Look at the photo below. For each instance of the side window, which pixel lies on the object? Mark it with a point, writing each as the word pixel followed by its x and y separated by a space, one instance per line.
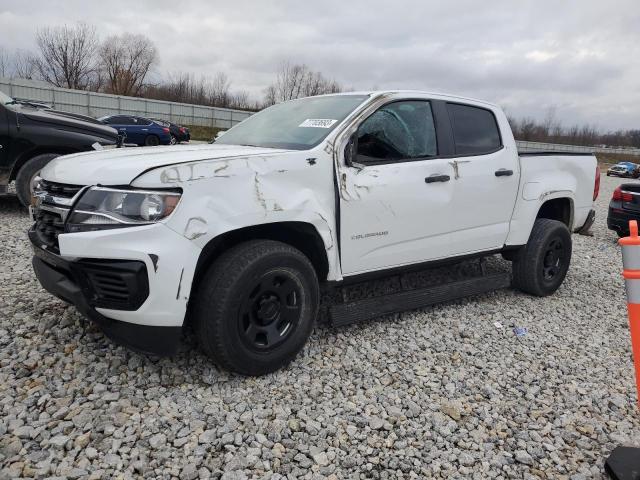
pixel 120 120
pixel 397 131
pixel 475 130
pixel 143 121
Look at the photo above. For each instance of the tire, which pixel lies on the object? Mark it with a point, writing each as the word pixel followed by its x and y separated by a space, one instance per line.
pixel 27 174
pixel 541 265
pixel 173 140
pixel 151 141
pixel 239 306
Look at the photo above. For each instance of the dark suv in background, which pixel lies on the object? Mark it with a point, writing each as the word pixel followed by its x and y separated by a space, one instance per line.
pixel 32 134
pixel 178 132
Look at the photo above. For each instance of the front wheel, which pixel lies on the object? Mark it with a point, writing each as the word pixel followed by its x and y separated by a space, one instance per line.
pixel 539 268
pixel 256 307
pixel 28 174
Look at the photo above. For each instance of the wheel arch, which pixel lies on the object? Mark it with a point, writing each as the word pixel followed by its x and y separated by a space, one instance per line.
pixel 301 235
pixel 560 208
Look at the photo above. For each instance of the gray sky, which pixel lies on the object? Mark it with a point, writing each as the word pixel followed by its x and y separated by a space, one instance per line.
pixel 581 56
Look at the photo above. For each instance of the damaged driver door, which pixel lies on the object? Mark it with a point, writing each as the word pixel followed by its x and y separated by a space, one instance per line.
pixel 395 194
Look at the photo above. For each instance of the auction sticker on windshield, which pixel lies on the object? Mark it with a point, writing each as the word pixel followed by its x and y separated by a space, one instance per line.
pixel 318 123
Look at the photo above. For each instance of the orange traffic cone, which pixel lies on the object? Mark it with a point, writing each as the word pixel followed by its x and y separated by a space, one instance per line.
pixel 631 264
pixel 624 462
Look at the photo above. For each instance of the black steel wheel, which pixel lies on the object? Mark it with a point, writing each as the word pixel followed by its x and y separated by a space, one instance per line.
pixel 553 259
pixel 271 310
pixel 255 307
pixel 540 267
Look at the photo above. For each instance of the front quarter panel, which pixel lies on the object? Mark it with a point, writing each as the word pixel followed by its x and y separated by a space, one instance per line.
pixel 223 195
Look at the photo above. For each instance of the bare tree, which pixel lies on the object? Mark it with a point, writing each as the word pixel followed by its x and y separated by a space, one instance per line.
pixel 219 90
pixel 4 63
pixel 67 55
pixel 125 62
pixel 296 81
pixel 212 91
pixel 24 65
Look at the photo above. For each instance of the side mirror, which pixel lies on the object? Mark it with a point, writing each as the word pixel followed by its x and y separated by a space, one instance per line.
pixel 351 149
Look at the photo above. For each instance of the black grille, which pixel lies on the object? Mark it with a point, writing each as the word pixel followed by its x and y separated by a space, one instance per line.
pixel 49 215
pixel 48 226
pixel 59 189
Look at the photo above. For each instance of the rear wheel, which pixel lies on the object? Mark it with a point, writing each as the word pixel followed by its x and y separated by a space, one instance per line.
pixel 151 141
pixel 27 177
pixel 256 306
pixel 173 140
pixel 540 267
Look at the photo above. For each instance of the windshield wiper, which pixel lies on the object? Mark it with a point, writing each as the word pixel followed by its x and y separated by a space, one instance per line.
pixel 24 102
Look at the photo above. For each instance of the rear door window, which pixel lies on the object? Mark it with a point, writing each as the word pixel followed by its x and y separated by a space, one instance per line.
pixel 475 130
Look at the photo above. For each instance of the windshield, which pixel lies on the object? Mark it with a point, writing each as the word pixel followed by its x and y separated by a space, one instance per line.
pixel 5 99
pixel 297 124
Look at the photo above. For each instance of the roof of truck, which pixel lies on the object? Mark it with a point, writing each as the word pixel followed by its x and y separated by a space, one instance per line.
pixel 421 92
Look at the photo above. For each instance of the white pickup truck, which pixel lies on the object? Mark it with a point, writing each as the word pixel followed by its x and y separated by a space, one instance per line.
pixel 236 237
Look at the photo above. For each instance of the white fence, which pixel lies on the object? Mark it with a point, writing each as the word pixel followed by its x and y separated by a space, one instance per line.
pixel 99 104
pixel 556 147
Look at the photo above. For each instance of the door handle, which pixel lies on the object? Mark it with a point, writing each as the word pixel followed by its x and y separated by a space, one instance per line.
pixel 503 172
pixel 437 178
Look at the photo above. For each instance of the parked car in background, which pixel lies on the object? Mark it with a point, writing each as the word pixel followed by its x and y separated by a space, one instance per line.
pixel 633 167
pixel 32 134
pixel 624 206
pixel 178 132
pixel 139 130
pixel 624 169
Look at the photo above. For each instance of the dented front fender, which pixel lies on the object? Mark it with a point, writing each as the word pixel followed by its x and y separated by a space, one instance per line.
pixel 222 195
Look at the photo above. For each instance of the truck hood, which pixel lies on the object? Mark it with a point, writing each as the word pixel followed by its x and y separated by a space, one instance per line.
pixel 68 120
pixel 120 166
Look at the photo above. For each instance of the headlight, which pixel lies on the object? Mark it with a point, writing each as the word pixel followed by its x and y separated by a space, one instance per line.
pixel 100 208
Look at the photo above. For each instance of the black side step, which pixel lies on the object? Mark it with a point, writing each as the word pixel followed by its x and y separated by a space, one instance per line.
pixel 368 308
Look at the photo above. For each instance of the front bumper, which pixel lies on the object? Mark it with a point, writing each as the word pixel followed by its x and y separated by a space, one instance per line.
pixel 151 288
pixel 63 281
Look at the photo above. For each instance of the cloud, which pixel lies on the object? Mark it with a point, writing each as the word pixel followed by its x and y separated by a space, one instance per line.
pixel 526 56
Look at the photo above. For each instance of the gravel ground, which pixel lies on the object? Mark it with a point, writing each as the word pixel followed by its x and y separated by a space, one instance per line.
pixel 440 392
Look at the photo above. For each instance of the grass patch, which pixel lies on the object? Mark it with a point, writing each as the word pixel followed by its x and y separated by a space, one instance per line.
pixel 203 133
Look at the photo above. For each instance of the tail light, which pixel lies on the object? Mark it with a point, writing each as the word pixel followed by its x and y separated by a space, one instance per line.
pixel 596 185
pixel 620 196
pixel 181 129
pixel 165 129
